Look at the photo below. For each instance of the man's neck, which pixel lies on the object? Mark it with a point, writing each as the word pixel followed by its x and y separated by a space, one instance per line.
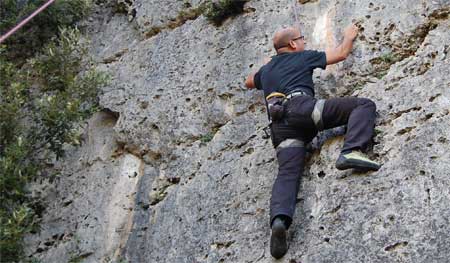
pixel 286 52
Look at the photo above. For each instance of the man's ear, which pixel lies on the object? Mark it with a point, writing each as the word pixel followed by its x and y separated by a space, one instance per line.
pixel 293 44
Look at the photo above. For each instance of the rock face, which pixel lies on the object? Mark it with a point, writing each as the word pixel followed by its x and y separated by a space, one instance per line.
pixel 176 170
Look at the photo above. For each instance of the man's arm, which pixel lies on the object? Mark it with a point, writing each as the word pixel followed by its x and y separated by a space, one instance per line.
pixel 337 54
pixel 249 82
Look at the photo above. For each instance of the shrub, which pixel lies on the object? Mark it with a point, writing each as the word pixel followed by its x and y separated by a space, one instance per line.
pixel 65 95
pixel 16 217
pixel 220 10
pixel 207 137
pixel 40 100
pixel 40 103
pixel 388 58
pixel 37 32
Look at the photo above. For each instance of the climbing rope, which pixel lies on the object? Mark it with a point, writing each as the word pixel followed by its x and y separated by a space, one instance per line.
pixel 296 16
pixel 21 24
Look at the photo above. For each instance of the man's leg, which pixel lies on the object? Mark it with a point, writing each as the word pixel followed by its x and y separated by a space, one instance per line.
pixel 359 115
pixel 290 155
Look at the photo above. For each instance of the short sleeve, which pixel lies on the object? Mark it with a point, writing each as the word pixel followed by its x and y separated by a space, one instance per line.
pixel 257 80
pixel 316 59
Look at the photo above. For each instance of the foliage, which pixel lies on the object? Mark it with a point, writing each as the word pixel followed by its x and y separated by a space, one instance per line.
pixel 384 61
pixel 380 74
pixel 388 58
pixel 12 230
pixel 35 34
pixel 210 135
pixel 218 11
pixel 377 131
pixel 190 13
pixel 75 259
pixel 65 95
pixel 40 103
pixel 207 137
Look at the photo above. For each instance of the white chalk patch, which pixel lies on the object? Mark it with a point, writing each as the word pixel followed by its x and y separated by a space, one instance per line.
pixel 118 209
pixel 319 36
pixel 130 166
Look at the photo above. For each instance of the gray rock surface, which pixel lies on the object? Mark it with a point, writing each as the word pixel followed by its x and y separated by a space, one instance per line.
pixel 177 170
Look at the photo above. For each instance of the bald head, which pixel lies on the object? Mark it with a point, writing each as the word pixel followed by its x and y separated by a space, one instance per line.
pixel 283 37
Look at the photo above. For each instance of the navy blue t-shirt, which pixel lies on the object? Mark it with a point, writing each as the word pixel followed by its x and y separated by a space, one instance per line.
pixel 287 72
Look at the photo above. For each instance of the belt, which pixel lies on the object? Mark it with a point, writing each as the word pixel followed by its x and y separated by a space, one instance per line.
pixel 288 96
pixel 295 94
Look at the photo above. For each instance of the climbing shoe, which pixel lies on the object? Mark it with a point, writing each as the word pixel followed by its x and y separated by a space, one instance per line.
pixel 356 160
pixel 278 244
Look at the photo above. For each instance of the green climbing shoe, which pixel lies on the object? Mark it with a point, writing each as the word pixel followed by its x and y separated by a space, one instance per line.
pixel 278 243
pixel 356 160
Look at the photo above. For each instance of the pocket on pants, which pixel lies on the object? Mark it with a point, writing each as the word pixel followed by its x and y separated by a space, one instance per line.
pixel 298 111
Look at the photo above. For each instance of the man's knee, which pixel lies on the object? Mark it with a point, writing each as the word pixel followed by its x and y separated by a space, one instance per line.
pixel 290 158
pixel 368 103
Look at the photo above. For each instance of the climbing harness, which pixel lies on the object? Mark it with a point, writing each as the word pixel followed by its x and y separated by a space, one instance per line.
pixel 21 24
pixel 276 107
pixel 276 103
pixel 295 93
pixel 317 114
pixel 275 94
pixel 289 143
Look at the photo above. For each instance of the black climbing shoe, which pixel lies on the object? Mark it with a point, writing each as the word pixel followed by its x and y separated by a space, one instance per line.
pixel 356 160
pixel 278 244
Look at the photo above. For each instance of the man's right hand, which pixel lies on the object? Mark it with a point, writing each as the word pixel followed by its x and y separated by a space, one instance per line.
pixel 335 55
pixel 351 32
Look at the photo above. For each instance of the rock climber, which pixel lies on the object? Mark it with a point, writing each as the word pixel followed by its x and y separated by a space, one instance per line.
pixel 296 117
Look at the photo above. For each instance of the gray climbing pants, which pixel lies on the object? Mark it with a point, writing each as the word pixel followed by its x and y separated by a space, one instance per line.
pixel 300 126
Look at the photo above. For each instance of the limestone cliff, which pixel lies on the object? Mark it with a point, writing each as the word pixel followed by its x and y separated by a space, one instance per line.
pixel 176 169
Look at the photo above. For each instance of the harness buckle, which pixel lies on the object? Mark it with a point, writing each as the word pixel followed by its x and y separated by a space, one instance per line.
pixel 296 93
pixel 267 131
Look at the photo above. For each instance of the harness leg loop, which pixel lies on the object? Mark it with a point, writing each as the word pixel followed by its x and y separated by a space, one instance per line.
pixel 317 114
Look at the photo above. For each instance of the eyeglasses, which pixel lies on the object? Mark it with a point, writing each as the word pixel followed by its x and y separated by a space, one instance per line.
pixel 297 38
pixel 300 37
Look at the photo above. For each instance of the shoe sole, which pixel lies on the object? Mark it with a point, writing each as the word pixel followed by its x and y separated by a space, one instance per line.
pixel 278 244
pixel 358 165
